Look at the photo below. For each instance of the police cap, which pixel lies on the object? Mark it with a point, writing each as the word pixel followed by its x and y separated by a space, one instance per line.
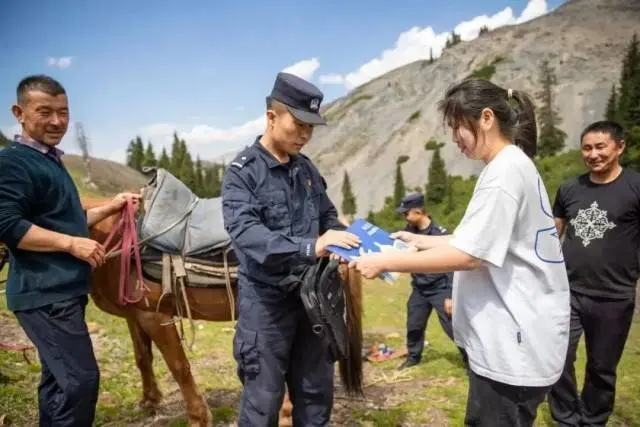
pixel 301 98
pixel 411 201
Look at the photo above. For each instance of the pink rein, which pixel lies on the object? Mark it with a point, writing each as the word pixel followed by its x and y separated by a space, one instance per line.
pixel 126 246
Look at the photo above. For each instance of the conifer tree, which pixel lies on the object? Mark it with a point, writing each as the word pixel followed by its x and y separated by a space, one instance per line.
pixel 186 173
pixel 399 187
pixel 199 178
pixel 164 162
pixel 436 187
pixel 611 112
pixel 135 154
pixel 177 155
pixel 627 104
pixel 551 139
pixel 149 156
pixel 348 199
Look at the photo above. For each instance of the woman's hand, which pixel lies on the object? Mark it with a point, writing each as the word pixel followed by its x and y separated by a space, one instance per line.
pixel 368 265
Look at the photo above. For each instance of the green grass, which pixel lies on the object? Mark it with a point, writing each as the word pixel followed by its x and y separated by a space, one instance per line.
pixel 432 393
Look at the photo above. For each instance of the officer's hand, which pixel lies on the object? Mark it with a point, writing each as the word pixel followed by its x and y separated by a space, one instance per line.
pixel 405 236
pixel 341 239
pixel 87 250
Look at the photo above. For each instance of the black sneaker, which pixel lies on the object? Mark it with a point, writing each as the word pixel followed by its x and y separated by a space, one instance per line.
pixel 408 363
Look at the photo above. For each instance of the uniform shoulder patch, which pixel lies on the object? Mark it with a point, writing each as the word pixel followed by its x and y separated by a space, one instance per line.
pixel 246 156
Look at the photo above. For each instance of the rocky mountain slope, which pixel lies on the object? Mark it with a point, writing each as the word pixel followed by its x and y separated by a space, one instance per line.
pixel 395 114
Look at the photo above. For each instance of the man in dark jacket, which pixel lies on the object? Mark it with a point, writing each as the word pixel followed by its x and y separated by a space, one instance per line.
pixel 46 230
pixel 430 291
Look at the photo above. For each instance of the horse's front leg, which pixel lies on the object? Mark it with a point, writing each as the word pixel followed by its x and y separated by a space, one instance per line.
pixel 168 342
pixel 151 395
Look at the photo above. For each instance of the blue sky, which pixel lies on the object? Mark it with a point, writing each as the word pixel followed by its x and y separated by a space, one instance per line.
pixel 203 68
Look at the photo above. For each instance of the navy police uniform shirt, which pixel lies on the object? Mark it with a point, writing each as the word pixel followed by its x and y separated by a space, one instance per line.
pixel 428 283
pixel 274 213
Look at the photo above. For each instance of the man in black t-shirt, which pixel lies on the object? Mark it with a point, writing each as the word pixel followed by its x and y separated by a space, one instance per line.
pixel 598 215
pixel 430 291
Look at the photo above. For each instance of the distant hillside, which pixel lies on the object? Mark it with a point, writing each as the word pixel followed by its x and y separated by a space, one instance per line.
pixel 4 141
pixel 395 114
pixel 110 177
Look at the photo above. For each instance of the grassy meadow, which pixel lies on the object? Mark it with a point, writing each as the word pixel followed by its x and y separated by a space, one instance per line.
pixel 433 393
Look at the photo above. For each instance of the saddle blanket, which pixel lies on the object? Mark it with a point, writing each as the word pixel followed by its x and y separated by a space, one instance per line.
pixel 177 221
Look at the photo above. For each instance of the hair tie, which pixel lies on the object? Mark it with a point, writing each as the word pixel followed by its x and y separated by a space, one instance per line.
pixel 509 93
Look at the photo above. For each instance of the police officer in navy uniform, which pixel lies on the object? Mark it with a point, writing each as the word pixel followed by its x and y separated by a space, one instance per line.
pixel 280 219
pixel 430 291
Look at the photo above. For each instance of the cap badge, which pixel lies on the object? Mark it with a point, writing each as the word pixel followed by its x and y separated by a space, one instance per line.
pixel 314 104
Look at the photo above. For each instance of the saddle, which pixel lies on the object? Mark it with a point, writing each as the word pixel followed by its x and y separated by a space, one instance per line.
pixel 324 301
pixel 183 242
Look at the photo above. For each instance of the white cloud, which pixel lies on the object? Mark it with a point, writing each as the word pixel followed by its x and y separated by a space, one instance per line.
pixel 62 62
pixel 331 79
pixel 304 69
pixel 11 130
pixel 206 140
pixel 418 43
pixel 534 9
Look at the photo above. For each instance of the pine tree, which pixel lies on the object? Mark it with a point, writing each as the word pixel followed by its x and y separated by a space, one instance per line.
pixel 611 113
pixel 149 156
pixel 199 178
pixel 628 104
pixel 436 187
pixel 399 187
pixel 186 172
pixel 135 154
pixel 164 162
pixel 453 40
pixel 430 55
pixel 551 139
pixel 348 199
pixel 449 191
pixel 177 156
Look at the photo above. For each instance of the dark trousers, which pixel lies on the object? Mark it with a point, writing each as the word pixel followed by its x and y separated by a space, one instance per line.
pixel 274 345
pixel 606 324
pixel 419 309
pixel 68 390
pixel 494 404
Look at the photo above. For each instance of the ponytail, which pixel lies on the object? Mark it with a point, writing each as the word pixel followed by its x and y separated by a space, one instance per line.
pixel 525 129
pixel 464 102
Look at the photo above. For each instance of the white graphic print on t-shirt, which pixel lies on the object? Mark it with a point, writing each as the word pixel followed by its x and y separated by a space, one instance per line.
pixel 591 223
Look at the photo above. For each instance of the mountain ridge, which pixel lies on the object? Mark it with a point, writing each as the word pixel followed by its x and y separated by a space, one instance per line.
pixel 395 114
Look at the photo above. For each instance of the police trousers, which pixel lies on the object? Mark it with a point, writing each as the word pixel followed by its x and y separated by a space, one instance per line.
pixel 606 323
pixel 69 386
pixel 419 308
pixel 274 345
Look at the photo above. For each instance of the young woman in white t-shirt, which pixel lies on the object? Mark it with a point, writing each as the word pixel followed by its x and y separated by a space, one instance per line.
pixel 510 291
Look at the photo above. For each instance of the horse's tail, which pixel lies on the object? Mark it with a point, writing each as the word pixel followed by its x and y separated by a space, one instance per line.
pixel 350 368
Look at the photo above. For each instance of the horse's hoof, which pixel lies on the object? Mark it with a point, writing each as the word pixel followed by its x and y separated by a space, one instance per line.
pixel 148 405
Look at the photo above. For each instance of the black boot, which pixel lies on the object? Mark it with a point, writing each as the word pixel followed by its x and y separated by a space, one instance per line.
pixel 408 363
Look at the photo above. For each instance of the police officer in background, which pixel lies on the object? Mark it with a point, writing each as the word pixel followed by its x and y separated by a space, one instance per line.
pixel 279 218
pixel 430 291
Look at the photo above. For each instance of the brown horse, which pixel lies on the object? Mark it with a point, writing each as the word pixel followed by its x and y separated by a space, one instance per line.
pixel 148 326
